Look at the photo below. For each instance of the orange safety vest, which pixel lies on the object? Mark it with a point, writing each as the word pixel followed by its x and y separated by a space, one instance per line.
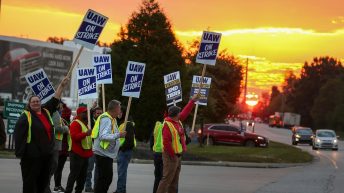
pixel 176 144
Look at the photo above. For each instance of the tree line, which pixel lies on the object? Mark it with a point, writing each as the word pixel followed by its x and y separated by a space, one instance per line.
pixel 148 37
pixel 317 95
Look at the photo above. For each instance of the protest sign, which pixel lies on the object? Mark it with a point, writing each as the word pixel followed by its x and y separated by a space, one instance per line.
pixel 208 48
pixel 87 87
pixel 102 63
pixel 90 29
pixel 196 80
pixel 132 84
pixel 40 85
pixel 173 88
pixel 133 79
pixel 202 88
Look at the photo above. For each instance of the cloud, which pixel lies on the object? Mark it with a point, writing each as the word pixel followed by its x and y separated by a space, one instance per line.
pixel 267 74
pixel 267 30
pixel 338 20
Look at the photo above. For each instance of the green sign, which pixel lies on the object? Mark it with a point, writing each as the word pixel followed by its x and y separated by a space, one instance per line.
pixel 11 123
pixel 13 109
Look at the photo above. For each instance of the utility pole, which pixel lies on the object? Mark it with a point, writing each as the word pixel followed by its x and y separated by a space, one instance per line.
pixel 245 86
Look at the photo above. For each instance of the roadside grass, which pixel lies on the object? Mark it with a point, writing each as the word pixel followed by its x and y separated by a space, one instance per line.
pixel 341 134
pixel 7 154
pixel 275 153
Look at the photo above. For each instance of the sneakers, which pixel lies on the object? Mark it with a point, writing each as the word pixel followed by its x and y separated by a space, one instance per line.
pixel 89 190
pixel 59 189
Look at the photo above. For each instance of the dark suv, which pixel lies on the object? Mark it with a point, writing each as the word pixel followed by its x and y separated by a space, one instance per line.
pixel 301 135
pixel 231 134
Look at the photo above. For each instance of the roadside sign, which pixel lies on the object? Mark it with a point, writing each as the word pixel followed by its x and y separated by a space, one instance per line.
pixel 40 85
pixel 133 79
pixel 90 29
pixel 11 123
pixel 209 47
pixel 196 80
pixel 102 63
pixel 173 88
pixel 87 87
pixel 13 109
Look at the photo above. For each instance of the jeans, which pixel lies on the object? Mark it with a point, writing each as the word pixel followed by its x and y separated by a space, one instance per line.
pixel 53 168
pixel 123 160
pixel 88 183
pixel 59 169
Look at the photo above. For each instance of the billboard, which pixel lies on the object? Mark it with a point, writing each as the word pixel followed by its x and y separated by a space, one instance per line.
pixel 18 59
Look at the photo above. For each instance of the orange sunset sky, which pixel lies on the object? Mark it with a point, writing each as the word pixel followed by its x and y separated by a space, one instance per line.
pixel 277 35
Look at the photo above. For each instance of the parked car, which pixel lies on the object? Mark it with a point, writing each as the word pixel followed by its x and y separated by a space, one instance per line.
pixel 230 134
pixel 325 138
pixel 302 135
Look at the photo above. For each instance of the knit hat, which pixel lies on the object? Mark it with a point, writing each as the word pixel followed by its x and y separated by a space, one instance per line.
pixel 173 111
pixel 81 110
pixel 66 112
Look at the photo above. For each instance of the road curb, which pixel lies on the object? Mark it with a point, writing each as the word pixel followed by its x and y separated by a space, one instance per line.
pixel 218 163
pixel 231 164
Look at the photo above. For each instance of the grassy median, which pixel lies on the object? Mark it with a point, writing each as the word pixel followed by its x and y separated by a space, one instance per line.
pixel 275 153
pixel 7 154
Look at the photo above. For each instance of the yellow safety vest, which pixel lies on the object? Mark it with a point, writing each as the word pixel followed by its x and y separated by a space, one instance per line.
pixel 157 134
pixel 121 129
pixel 176 144
pixel 59 136
pixel 29 119
pixel 86 143
pixel 69 140
pixel 95 130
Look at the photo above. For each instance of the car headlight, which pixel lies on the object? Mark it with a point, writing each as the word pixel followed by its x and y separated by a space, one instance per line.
pixel 297 136
pixel 259 137
pixel 318 140
pixel 335 141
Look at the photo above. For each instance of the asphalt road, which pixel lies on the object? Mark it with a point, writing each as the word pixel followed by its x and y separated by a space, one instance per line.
pixel 325 175
pixel 193 179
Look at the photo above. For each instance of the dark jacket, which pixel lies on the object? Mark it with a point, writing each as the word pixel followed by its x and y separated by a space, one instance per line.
pixel 129 137
pixel 2 132
pixel 40 144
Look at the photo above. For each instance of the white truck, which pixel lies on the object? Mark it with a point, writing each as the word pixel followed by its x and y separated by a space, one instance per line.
pixel 289 119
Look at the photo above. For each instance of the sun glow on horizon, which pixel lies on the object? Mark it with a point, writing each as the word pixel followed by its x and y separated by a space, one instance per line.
pixel 272 45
